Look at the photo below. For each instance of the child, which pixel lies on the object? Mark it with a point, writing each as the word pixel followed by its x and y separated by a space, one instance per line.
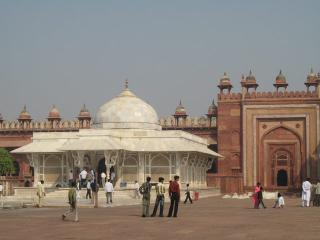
pixel 279 201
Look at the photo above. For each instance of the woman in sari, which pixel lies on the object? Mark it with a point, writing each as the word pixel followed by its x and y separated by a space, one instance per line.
pixel 255 195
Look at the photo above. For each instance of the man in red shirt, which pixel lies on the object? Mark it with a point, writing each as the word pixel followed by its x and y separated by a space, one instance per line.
pixel 174 193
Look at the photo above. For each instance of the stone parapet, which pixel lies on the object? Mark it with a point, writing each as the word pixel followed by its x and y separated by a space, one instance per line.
pixel 67 125
pixel 73 125
pixel 189 122
pixel 268 95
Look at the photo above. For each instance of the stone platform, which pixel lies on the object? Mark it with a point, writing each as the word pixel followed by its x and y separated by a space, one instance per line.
pixel 57 197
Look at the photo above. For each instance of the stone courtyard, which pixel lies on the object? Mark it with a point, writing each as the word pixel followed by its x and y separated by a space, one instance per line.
pixel 209 218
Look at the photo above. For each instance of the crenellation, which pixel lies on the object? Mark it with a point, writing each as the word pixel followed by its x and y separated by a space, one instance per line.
pixel 190 122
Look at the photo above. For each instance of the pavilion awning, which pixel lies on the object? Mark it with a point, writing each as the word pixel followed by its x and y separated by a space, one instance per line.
pixel 137 145
pixel 41 147
pixel 134 144
pixel 92 144
pixel 166 145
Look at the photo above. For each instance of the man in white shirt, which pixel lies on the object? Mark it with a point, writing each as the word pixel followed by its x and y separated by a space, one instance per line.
pixel 306 192
pixel 1 190
pixel 70 178
pixel 136 190
pixel 103 179
pixel 108 188
pixel 112 176
pixel 40 193
pixel 83 177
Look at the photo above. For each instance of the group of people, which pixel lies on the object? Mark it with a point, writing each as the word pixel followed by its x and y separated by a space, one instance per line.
pixel 257 198
pixel 174 194
pixel 310 193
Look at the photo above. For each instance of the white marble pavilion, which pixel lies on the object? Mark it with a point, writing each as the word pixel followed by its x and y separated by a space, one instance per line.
pixel 126 137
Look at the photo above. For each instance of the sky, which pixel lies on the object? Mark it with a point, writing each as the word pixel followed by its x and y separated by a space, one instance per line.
pixel 73 52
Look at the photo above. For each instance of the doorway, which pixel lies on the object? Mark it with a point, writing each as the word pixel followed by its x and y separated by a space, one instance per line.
pixel 101 168
pixel 282 178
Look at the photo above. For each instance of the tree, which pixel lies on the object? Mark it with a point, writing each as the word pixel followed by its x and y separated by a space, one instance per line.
pixel 6 162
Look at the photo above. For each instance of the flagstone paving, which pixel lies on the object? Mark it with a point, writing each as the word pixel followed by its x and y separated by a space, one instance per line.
pixel 210 218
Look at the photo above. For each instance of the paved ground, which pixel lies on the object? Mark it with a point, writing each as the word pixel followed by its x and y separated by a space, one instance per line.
pixel 211 218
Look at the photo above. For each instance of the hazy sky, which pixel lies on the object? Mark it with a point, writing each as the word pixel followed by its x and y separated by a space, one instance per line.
pixel 73 52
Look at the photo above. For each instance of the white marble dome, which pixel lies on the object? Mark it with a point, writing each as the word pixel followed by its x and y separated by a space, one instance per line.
pixel 127 111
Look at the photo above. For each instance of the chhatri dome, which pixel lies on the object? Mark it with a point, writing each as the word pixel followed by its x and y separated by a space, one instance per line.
pixel 126 111
pixel 54 113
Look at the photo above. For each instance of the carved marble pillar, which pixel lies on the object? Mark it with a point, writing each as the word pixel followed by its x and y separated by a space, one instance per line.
pixel 141 168
pixel 111 158
pixel 34 162
pixel 78 158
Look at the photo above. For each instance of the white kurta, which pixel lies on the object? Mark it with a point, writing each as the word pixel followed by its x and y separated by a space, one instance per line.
pixel 281 201
pixel 306 191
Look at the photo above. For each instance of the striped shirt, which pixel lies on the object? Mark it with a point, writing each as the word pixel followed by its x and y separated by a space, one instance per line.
pixel 160 189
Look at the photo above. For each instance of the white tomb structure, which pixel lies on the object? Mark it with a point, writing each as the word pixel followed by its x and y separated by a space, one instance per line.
pixel 127 139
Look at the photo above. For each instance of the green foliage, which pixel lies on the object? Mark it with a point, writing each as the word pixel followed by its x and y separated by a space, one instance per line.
pixel 6 162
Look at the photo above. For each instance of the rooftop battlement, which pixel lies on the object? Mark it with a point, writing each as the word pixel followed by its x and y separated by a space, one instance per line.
pixel 268 95
pixel 74 125
pixel 65 125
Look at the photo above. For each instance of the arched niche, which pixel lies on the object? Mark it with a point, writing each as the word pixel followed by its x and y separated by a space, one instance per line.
pixel 160 167
pixel 130 170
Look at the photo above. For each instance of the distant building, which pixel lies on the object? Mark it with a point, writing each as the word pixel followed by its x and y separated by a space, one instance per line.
pixel 126 138
pixel 267 137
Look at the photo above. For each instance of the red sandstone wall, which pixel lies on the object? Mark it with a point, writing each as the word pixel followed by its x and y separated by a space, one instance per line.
pixel 229 140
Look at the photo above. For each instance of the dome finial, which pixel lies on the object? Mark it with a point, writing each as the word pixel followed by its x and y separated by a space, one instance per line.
pixel 311 70
pixel 126 84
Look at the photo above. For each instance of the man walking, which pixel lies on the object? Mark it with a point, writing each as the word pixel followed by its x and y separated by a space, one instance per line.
pixel 103 179
pixel 160 190
pixel 83 177
pixel 306 192
pixel 40 193
pixel 109 190
pixel 88 190
pixel 145 190
pixel 70 178
pixel 72 196
pixel 188 197
pixel 136 190
pixel 174 193
pixel 95 189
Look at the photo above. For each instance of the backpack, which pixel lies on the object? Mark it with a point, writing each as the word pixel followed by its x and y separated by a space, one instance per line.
pixel 141 190
pixel 144 189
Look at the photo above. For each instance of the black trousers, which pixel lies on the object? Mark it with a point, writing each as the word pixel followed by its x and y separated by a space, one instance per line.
pixel 159 201
pixel 88 194
pixel 83 182
pixel 188 197
pixel 260 201
pixel 174 204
